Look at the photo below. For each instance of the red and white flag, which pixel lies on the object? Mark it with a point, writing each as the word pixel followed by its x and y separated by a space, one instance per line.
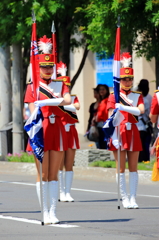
pixel 34 62
pixel 54 52
pixel 116 66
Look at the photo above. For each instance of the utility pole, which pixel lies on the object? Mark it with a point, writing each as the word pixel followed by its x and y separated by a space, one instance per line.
pixel 17 104
pixel 5 86
pixel 5 103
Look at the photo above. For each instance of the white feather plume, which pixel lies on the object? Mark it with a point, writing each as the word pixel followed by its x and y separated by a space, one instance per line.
pixel 125 59
pixel 45 45
pixel 61 68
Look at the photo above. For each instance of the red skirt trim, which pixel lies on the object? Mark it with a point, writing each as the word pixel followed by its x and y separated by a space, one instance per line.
pixel 72 138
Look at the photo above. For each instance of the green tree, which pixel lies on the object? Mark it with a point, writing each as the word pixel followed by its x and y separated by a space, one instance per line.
pixel 15 31
pixel 16 23
pixel 139 27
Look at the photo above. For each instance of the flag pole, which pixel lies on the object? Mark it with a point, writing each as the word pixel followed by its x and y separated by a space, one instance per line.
pixel 41 192
pixel 116 77
pixel 118 134
pixel 118 157
pixel 41 195
pixel 54 48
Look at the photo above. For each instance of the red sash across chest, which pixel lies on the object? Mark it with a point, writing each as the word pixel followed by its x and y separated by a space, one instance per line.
pixel 131 101
pixel 70 117
pixel 54 90
pixel 47 92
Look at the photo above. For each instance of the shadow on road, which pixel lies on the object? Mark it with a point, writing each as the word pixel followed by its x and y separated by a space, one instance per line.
pixel 20 212
pixel 106 200
pixel 98 221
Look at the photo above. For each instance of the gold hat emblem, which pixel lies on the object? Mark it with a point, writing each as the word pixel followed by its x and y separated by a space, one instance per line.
pixel 47 58
pixel 127 71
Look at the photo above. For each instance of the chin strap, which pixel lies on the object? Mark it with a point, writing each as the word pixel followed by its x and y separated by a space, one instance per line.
pixel 125 88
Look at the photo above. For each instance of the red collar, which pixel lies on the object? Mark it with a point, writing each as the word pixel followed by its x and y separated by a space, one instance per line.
pixel 45 81
pixel 125 92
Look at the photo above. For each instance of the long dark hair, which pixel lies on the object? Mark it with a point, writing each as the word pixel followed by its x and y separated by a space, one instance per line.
pixel 144 87
pixel 107 89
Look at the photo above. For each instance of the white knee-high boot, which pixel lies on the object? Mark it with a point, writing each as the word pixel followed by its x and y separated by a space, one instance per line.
pixel 68 184
pixel 45 200
pixel 124 196
pixel 61 187
pixel 53 195
pixel 133 183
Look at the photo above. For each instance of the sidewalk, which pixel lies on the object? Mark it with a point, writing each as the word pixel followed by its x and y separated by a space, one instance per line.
pixel 84 173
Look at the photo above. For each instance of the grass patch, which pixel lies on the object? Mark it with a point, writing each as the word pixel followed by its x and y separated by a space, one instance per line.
pixel 29 157
pixel 111 164
pixel 20 157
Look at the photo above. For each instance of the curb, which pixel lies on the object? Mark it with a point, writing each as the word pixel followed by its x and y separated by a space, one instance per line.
pixel 83 173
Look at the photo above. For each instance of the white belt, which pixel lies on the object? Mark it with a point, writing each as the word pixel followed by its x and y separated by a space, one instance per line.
pixel 128 125
pixel 52 118
pixel 67 127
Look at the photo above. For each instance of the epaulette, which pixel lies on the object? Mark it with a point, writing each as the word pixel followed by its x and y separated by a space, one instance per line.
pixel 57 80
pixel 73 95
pixel 29 82
pixel 137 92
pixel 156 91
pixel 111 92
pixel 68 84
pixel 65 81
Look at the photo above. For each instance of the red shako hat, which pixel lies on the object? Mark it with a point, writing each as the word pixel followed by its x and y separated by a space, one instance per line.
pixel 126 70
pixel 45 46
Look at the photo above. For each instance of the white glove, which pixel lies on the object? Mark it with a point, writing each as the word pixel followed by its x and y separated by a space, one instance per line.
pixel 115 141
pixel 133 110
pixel 70 108
pixel 48 102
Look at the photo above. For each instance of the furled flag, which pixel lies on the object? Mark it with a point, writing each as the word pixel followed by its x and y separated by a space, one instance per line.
pixel 113 121
pixel 33 126
pixel 109 125
pixel 34 129
pixel 54 50
pixel 116 66
pixel 34 62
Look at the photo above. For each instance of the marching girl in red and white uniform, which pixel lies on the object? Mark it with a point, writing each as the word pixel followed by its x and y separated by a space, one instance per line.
pixel 131 105
pixel 72 139
pixel 154 116
pixel 154 111
pixel 53 95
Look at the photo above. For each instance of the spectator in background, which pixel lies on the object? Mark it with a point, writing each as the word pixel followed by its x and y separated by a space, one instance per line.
pixel 102 113
pixel 93 110
pixel 144 124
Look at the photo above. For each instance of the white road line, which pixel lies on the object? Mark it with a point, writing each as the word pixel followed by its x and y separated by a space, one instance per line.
pixel 94 191
pixel 36 222
pixel 79 189
pixel 19 183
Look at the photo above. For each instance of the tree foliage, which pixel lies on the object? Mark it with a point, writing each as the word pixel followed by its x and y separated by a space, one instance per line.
pixel 139 21
pixel 139 25
pixel 96 19
pixel 16 24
